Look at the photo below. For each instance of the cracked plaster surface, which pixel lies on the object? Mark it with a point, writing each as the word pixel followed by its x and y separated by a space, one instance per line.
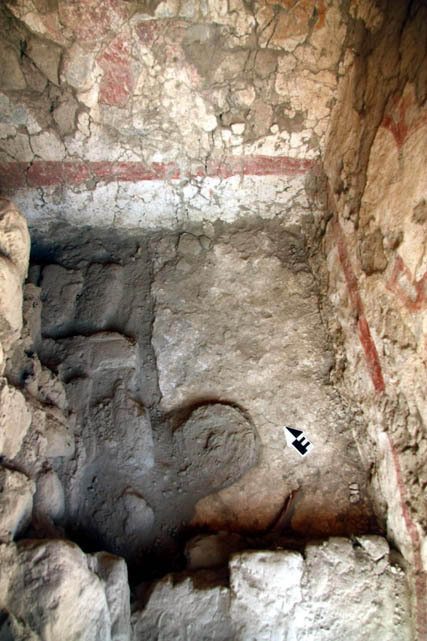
pixel 183 85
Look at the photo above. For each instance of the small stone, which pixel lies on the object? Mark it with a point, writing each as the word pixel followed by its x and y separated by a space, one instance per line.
pixel 419 215
pixel 140 515
pixel 48 146
pixel 59 438
pixel 213 550
pixel 79 68
pixel 12 76
pixel 65 116
pixel 189 245
pixel 238 128
pixel 49 497
pixel 205 242
pixel 372 255
pixel 209 124
pixel 376 546
pixel 46 56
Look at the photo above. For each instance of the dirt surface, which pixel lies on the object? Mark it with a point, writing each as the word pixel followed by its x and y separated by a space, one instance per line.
pixel 162 449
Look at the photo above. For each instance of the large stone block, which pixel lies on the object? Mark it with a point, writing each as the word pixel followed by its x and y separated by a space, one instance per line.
pixel 52 590
pixel 337 590
pixel 190 607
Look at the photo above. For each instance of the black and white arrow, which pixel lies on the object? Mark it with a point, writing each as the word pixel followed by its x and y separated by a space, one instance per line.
pixel 298 440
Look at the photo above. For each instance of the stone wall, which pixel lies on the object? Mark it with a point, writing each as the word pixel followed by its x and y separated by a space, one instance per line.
pixel 231 139
pixel 50 589
pixel 40 576
pixel 375 273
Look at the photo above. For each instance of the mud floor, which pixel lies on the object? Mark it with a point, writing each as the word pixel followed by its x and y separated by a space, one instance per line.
pixel 183 356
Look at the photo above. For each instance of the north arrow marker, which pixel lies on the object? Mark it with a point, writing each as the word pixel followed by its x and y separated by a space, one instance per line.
pixel 296 439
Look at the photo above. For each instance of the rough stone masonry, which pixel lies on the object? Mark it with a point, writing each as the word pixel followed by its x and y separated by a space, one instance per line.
pixel 227 209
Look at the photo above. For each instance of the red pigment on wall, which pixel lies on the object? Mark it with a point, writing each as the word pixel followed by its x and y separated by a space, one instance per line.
pixel 371 354
pixel 420 574
pixel 365 337
pixel 12 176
pixel 299 15
pixel 147 32
pixel 117 83
pixel 402 118
pixel 45 173
pixel 91 20
pixel 375 372
pixel 412 293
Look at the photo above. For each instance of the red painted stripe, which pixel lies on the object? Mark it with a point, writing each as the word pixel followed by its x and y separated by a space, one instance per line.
pixel 371 354
pixel 420 573
pixel 44 173
pixel 365 337
pixel 378 382
pixel 12 176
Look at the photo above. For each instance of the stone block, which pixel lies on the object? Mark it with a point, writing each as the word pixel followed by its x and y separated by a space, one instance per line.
pixel 79 68
pixel 190 607
pixel 140 515
pixel 59 438
pixel 96 354
pixel 49 497
pixel 60 289
pixel 10 303
pixel 14 236
pixel 46 56
pixel 207 551
pixel 372 257
pixel 51 589
pixel 12 76
pixel 336 591
pixel 65 116
pixel 266 588
pixel 99 303
pixel 16 503
pixel 15 419
pixel 112 571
